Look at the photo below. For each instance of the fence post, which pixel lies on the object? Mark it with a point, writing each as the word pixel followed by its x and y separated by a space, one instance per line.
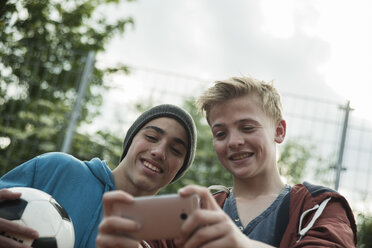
pixel 76 112
pixel 339 167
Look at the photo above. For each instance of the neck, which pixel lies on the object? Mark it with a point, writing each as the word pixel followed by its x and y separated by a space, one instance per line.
pixel 259 186
pixel 125 183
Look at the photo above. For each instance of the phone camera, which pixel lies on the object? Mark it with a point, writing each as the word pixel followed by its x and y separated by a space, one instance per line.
pixel 183 216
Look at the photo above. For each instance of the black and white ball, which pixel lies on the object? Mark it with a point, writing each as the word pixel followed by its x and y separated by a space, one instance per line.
pixel 38 210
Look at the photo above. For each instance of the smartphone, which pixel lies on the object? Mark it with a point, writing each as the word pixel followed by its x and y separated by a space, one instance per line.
pixel 160 217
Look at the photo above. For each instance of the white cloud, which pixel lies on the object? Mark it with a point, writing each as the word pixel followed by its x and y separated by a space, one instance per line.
pixel 307 47
pixel 319 48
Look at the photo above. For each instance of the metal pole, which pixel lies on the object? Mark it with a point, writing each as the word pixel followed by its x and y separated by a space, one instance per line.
pixel 76 112
pixel 339 167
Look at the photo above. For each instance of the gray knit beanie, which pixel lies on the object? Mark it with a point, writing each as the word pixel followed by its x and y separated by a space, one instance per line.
pixel 170 111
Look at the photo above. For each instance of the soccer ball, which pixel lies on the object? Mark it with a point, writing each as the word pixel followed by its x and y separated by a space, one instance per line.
pixel 39 211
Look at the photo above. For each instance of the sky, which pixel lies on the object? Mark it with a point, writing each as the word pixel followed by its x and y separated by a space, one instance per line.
pixel 319 48
pixel 312 48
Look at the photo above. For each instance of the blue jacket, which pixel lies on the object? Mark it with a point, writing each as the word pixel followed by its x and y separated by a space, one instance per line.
pixel 77 185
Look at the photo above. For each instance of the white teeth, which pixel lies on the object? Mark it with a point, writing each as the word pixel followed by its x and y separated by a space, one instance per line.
pixel 150 166
pixel 241 156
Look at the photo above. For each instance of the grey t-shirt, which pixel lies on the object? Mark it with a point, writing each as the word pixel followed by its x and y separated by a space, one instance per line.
pixel 261 228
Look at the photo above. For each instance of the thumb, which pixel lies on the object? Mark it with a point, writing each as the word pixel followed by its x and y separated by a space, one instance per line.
pixel 112 201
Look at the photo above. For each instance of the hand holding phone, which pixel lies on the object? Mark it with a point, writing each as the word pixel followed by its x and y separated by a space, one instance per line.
pixel 159 217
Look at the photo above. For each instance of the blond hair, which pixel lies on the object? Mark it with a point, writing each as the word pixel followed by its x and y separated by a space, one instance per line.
pixel 235 87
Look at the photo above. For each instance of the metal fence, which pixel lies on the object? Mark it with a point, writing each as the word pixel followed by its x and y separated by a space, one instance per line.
pixel 341 143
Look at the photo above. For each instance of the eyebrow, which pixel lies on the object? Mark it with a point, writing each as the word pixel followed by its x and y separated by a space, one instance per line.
pixel 238 121
pixel 162 132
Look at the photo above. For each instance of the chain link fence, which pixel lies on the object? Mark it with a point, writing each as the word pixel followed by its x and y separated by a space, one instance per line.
pixel 342 146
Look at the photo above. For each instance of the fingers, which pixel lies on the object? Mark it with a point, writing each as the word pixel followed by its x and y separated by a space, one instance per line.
pixel 10 243
pixel 178 242
pixel 209 226
pixel 113 229
pixel 221 233
pixel 210 236
pixel 117 225
pixel 112 198
pixel 209 214
pixel 115 241
pixel 16 229
pixel 206 198
pixel 112 232
pixel 6 194
pixel 201 219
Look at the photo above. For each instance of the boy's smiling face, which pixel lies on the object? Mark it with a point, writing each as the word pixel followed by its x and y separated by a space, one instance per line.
pixel 244 137
pixel 156 154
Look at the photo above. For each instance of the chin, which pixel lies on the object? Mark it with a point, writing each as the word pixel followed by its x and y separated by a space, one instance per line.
pixel 147 185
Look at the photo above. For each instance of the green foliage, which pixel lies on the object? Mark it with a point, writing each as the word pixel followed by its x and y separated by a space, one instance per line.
pixel 106 146
pixel 293 160
pixel 364 231
pixel 43 50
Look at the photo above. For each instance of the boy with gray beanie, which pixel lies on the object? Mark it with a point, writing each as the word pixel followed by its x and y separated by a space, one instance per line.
pixel 158 148
pixel 170 111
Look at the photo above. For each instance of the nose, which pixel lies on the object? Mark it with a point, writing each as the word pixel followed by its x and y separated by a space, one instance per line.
pixel 235 140
pixel 158 151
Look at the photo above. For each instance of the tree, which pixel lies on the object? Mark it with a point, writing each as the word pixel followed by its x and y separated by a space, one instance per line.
pixel 43 50
pixel 364 231
pixel 293 160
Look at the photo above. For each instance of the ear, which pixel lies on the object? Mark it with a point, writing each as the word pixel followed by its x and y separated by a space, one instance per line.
pixel 280 131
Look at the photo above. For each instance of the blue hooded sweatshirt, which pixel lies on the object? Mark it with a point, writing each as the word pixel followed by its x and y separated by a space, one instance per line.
pixel 77 185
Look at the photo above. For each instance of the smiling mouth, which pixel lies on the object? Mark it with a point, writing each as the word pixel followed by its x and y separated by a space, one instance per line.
pixel 151 167
pixel 241 156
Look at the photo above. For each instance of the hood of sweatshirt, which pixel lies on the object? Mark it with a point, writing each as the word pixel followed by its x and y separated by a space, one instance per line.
pixel 102 172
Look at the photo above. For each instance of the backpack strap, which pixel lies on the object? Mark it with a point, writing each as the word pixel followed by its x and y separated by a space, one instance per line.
pixel 282 220
pixel 316 190
pixel 220 197
pixel 283 213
